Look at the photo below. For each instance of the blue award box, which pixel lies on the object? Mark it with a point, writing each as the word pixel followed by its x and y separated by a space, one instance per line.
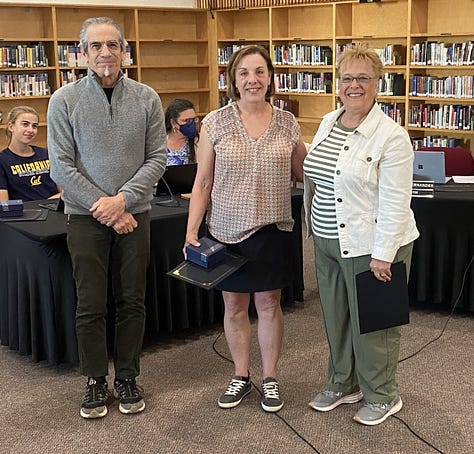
pixel 11 208
pixel 208 254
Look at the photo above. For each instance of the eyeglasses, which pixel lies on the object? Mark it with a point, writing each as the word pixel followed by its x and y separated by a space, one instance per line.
pixel 97 46
pixel 363 80
pixel 190 120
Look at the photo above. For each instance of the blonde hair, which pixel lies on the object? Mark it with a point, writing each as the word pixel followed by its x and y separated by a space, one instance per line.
pixel 15 113
pixel 360 51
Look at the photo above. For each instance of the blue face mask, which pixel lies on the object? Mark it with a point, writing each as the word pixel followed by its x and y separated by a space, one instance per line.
pixel 189 130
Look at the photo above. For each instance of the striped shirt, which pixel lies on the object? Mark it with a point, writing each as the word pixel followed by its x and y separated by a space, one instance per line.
pixel 319 166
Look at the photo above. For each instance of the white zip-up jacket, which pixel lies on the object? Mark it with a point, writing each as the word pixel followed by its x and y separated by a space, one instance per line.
pixel 372 187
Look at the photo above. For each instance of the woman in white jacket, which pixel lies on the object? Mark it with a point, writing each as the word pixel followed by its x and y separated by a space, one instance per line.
pixel 358 188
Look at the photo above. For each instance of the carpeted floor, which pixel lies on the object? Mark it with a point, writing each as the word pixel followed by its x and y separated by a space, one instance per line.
pixel 183 377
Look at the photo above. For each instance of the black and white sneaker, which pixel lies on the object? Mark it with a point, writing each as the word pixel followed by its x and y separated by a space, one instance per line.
pixel 270 395
pixel 238 388
pixel 94 404
pixel 130 395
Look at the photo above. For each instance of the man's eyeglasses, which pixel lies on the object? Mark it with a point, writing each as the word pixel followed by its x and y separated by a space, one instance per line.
pixel 97 46
pixel 363 80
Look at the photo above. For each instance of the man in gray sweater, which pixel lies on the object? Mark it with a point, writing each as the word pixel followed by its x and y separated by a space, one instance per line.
pixel 107 145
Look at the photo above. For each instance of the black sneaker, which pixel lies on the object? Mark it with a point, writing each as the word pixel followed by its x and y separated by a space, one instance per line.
pixel 270 395
pixel 94 404
pixel 238 388
pixel 130 395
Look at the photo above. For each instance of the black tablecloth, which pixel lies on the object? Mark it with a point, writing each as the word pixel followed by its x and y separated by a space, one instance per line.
pixel 37 291
pixel 443 250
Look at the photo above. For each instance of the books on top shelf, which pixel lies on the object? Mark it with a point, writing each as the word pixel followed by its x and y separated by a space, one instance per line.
pixel 23 56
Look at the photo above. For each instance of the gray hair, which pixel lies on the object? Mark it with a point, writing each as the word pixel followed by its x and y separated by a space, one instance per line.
pixel 99 21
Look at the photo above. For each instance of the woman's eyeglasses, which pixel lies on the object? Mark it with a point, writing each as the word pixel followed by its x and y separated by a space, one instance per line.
pixel 363 80
pixel 188 121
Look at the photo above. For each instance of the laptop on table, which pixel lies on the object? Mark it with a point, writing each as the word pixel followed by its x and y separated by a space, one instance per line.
pixel 180 179
pixel 429 166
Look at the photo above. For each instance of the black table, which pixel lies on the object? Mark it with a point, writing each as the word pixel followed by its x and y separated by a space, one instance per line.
pixel 37 291
pixel 443 250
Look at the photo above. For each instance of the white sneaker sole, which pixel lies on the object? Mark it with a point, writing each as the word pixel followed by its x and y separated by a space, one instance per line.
pixel 271 409
pixel 130 409
pixel 233 404
pixel 95 413
pixel 395 409
pixel 348 399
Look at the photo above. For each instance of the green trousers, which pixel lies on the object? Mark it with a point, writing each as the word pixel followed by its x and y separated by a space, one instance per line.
pixel 95 249
pixel 356 361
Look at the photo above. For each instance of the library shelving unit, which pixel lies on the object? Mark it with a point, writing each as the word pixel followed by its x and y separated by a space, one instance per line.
pixel 305 40
pixel 442 59
pixel 169 50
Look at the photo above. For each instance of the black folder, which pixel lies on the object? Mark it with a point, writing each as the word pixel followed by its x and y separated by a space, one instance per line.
pixel 207 278
pixel 28 215
pixel 382 304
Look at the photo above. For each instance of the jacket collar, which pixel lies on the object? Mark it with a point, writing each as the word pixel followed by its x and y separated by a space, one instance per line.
pixel 367 127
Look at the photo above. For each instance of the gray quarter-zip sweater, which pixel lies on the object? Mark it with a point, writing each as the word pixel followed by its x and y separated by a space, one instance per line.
pixel 98 149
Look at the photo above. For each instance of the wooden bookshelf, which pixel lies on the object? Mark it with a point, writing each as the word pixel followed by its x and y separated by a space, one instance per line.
pixel 169 51
pixel 392 24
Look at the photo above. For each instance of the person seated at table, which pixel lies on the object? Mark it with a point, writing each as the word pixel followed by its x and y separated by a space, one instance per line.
pixel 24 168
pixel 181 132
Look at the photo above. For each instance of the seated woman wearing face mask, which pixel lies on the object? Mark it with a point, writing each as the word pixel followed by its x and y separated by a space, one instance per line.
pixel 181 132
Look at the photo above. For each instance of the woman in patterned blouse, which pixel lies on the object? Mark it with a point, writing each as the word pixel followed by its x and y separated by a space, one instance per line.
pixel 181 132
pixel 248 152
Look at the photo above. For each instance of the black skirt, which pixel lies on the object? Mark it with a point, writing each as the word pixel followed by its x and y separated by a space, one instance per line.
pixel 271 257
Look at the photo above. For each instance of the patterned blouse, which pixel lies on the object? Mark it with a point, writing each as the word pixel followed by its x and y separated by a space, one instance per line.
pixel 252 178
pixel 178 157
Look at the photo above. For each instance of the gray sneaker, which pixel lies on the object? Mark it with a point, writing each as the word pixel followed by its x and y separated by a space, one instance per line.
pixel 271 400
pixel 237 389
pixel 328 400
pixel 94 404
pixel 372 413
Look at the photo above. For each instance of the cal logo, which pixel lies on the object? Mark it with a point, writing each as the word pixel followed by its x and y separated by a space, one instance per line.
pixel 35 181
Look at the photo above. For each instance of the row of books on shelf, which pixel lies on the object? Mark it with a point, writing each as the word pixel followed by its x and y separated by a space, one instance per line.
pixel 442 87
pixel 313 55
pixel 391 84
pixel 301 54
pixel 23 56
pixel 221 80
pixel 442 54
pixel 304 82
pixel 448 116
pixel 240 4
pixel 391 54
pixel 224 53
pixel 435 141
pixel 13 85
pixel 291 105
pixel 67 77
pixel 393 111
pixel 70 55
